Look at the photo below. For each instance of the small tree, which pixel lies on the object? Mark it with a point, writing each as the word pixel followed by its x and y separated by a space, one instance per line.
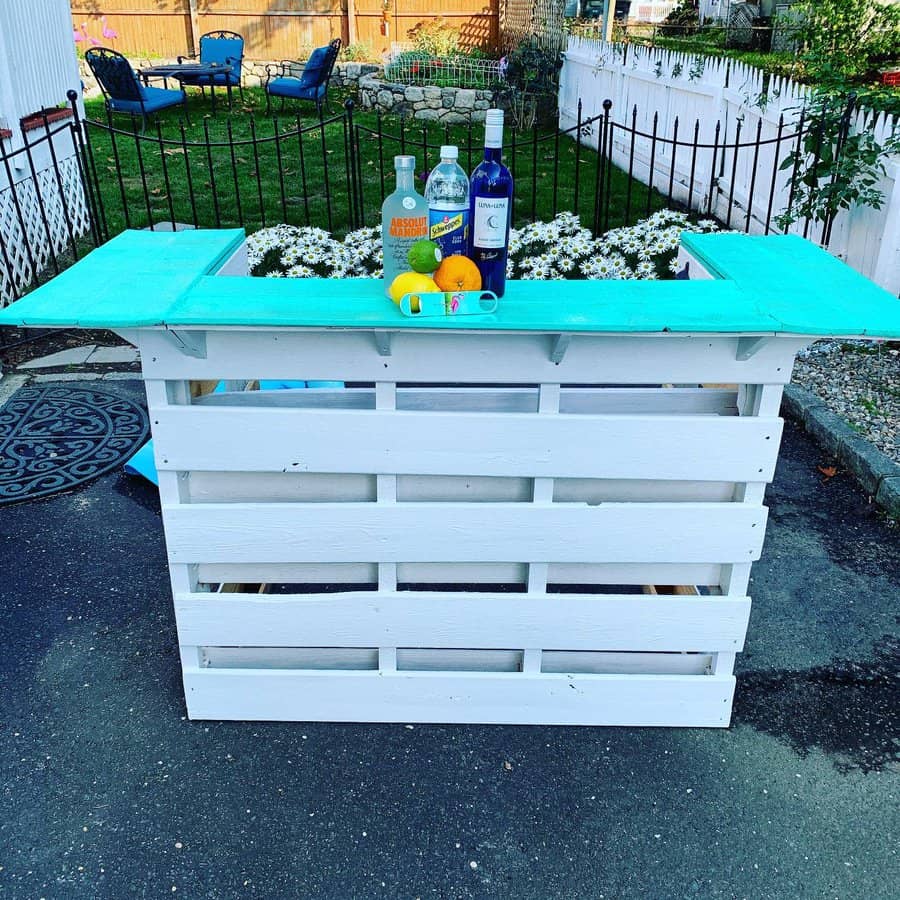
pixel 835 167
pixel 847 38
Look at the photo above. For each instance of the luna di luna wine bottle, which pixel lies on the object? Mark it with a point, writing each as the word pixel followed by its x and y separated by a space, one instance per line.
pixel 490 207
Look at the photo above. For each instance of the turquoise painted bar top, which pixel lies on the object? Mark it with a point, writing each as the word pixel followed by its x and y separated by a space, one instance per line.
pixel 770 285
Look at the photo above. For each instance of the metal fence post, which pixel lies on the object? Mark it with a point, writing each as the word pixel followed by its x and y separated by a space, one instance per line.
pixel 353 186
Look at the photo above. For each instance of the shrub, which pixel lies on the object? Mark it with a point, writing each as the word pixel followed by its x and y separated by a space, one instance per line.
pixel 435 37
pixel 683 20
pixel 847 38
pixel 361 51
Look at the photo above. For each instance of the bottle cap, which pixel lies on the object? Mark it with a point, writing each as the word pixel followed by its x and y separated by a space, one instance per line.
pixel 404 163
pixel 493 117
pixel 449 151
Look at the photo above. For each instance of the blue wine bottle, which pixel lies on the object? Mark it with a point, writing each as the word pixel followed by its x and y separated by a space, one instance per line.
pixel 490 208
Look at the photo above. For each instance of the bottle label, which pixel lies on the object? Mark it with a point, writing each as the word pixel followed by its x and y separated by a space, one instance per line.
pixel 449 229
pixel 489 227
pixel 408 226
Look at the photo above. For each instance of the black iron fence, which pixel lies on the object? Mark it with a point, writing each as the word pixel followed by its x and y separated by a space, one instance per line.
pixel 76 183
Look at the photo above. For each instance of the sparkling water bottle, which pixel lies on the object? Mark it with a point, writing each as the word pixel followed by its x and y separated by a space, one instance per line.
pixel 447 193
pixel 491 208
pixel 404 220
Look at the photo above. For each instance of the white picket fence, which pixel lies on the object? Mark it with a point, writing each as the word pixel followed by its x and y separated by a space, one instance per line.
pixel 719 102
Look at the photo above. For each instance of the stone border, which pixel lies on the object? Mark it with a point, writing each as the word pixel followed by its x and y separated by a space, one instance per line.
pixel 450 105
pixel 877 473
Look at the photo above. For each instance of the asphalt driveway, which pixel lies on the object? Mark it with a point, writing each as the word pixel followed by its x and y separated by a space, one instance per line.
pixel 108 791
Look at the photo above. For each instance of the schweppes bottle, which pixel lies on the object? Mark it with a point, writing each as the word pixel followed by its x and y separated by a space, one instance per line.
pixel 447 193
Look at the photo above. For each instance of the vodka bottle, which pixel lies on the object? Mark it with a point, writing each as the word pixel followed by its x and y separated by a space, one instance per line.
pixel 404 220
pixel 491 208
pixel 447 193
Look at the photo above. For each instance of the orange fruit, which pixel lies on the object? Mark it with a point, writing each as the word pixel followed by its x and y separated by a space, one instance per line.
pixel 457 273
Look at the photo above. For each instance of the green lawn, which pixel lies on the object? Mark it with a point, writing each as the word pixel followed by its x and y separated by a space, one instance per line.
pixel 247 176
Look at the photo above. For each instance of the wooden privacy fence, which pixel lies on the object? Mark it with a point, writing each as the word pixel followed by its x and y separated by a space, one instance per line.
pixel 275 29
pixel 712 134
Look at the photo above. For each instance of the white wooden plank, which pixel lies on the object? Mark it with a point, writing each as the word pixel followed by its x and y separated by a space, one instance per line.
pixel 280 487
pixel 715 448
pixel 463 697
pixel 430 659
pixel 696 270
pixel 497 532
pixel 605 663
pixel 759 399
pixel 646 401
pixel 478 620
pixel 318 487
pixel 470 356
pixel 236 264
pixel 350 575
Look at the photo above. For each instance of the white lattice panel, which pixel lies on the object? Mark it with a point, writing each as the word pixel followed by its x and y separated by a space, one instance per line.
pixel 34 225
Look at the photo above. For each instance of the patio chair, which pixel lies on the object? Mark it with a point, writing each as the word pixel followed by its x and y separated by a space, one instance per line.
pixel 123 91
pixel 224 48
pixel 312 83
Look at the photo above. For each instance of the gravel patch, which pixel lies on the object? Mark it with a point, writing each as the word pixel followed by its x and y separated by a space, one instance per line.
pixel 860 382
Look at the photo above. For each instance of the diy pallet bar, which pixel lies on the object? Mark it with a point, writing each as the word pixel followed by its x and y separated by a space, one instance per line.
pixel 471 530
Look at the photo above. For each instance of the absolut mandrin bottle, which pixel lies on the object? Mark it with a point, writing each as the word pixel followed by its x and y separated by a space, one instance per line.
pixel 404 220
pixel 491 198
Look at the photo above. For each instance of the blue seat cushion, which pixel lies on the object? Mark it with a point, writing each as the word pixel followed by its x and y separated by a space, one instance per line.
pixel 154 99
pixel 224 51
pixel 294 87
pixel 220 78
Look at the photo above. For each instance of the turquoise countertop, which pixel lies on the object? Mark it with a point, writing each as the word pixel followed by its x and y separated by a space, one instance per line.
pixel 774 284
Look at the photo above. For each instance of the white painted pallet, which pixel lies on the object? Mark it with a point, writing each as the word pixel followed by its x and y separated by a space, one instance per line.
pixel 469 548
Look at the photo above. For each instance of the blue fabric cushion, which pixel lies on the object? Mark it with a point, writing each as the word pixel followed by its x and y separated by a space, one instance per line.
pixel 223 78
pixel 294 87
pixel 314 70
pixel 224 51
pixel 154 99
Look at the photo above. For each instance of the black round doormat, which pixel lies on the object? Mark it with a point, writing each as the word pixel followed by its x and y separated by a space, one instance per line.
pixel 53 438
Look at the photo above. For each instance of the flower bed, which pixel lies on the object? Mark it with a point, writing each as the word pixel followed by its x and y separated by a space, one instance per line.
pixel 542 250
pixel 416 67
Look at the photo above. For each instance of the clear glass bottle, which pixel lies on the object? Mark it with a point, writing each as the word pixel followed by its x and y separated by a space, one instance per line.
pixel 491 208
pixel 404 220
pixel 447 193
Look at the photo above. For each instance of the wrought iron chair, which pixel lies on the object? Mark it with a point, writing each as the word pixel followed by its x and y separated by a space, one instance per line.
pixel 123 91
pixel 312 83
pixel 223 48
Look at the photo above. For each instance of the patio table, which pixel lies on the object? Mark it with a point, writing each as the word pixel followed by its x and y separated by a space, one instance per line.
pixel 176 70
pixel 547 514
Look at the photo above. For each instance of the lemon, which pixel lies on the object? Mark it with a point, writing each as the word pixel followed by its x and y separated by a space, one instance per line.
pixel 411 283
pixel 424 256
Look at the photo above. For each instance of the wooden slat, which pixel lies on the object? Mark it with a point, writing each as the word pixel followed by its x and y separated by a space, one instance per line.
pixel 479 620
pixel 715 448
pixel 463 697
pixel 492 357
pixel 349 575
pixel 426 532
pixel 277 487
pixel 641 401
pixel 430 659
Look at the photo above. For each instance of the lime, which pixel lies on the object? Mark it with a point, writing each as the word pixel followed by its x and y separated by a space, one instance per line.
pixel 411 283
pixel 424 256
